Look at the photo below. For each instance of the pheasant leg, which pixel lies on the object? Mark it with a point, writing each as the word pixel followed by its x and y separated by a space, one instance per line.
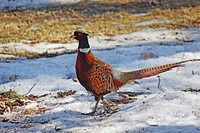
pixel 94 110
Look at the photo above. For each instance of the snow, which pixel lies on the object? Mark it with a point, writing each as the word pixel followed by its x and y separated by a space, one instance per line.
pixel 160 36
pixel 145 23
pixel 8 5
pixel 157 109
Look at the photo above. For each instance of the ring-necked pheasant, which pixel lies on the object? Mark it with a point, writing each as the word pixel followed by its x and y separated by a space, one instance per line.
pixel 99 78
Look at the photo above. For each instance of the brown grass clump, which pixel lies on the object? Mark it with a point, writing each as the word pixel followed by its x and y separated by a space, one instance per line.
pixel 57 26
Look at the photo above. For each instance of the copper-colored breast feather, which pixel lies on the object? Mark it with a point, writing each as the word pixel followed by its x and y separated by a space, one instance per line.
pixel 94 74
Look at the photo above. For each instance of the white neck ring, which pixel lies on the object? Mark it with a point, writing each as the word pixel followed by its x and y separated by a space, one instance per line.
pixel 84 50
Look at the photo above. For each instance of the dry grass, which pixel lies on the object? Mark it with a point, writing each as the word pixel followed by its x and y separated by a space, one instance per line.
pixel 182 18
pixel 57 26
pixel 55 23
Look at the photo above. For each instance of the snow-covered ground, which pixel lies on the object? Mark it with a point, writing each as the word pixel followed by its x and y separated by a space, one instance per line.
pixel 164 109
pixel 7 5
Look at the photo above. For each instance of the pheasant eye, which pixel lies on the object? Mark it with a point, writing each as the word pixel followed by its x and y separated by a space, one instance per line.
pixel 79 34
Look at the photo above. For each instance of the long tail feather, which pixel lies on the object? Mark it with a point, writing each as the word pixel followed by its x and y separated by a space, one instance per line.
pixel 143 73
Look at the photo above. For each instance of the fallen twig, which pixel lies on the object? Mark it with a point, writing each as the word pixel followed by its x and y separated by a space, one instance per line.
pixel 30 90
pixel 159 81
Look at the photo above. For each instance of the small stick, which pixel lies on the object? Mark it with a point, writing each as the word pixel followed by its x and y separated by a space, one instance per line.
pixel 159 83
pixel 30 90
pixel 185 47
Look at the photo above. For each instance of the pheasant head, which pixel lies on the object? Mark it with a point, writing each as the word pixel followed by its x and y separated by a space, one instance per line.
pixel 83 41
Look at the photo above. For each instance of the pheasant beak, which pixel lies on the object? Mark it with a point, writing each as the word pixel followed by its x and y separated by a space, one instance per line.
pixel 73 36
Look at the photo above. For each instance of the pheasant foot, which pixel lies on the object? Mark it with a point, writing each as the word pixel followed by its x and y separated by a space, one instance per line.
pixel 108 109
pixel 94 110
